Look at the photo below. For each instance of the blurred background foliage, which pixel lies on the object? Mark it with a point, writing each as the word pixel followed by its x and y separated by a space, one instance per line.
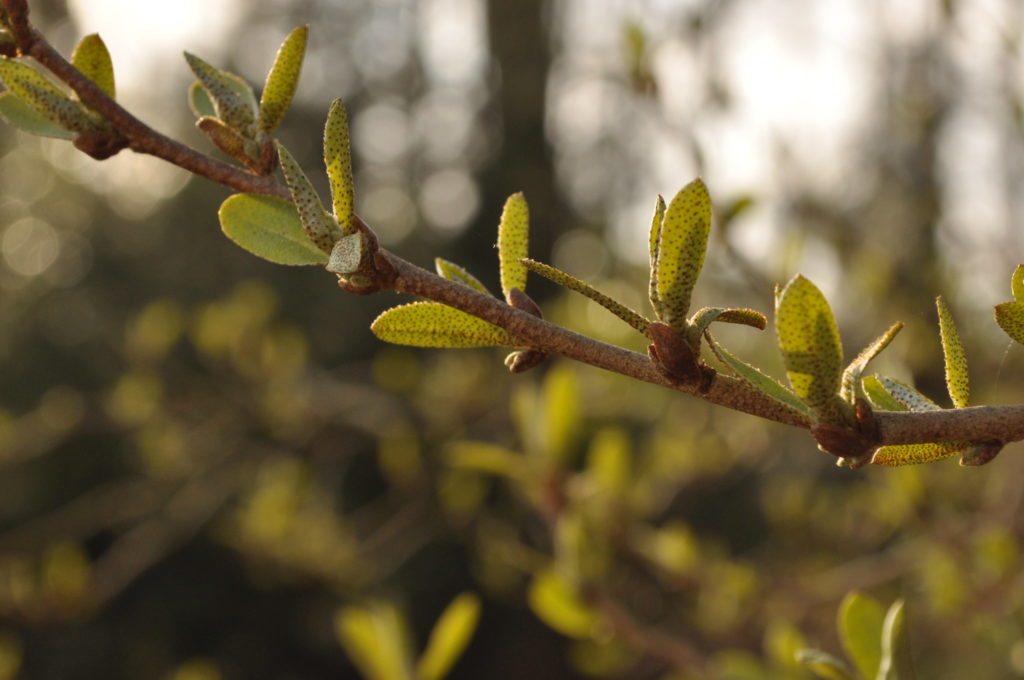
pixel 207 458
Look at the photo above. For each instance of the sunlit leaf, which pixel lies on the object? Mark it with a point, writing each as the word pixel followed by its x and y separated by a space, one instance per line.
pixel 201 104
pixel 375 640
pixel 318 224
pixel 892 395
pixel 46 98
pixel 449 638
pixel 572 283
pixel 513 243
pixel 232 107
pixel 338 159
pixel 1010 317
pixel 896 662
pixel 705 316
pixel 915 454
pixel 453 272
pixel 758 380
pixel 93 60
pixel 282 80
pixel 861 618
pixel 682 242
pixel 1017 283
pixel 556 603
pixel 810 345
pixel 18 113
pixel 656 222
pixel 268 227
pixel 957 381
pixel 609 461
pixel 431 324
pixel 824 665
pixel 852 375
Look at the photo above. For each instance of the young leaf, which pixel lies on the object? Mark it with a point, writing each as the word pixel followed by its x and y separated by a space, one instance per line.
pixel 705 316
pixel 1017 283
pixel 681 244
pixel 46 98
pixel 487 458
pixel 93 60
pixel 957 381
pixel 896 663
pixel 914 454
pixel 224 137
pixel 233 108
pixel 824 665
pixel 760 381
pixel 201 104
pixel 810 345
pixel 860 631
pixel 1010 317
pixel 338 159
pixel 376 640
pixel 17 113
pixel 431 324
pixel 852 375
pixel 656 222
pixel 453 272
pixel 449 637
pixel 555 602
pixel 513 242
pixel 282 80
pixel 318 224
pixel 347 254
pixel 572 283
pixel 268 227
pixel 892 395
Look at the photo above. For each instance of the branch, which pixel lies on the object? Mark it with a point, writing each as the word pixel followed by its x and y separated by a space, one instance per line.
pixel 130 131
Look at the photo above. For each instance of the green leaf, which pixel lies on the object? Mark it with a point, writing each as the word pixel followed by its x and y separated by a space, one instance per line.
pixel 1017 283
pixel 320 226
pixel 555 602
pixel 810 346
pixel 893 395
pixel 16 112
pixel 513 243
pixel 861 618
pixel 487 458
pixel 234 108
pixel 823 665
pixel 282 80
pixel 562 418
pixel 656 222
pixel 46 98
pixel 705 316
pixel 201 104
pixel 93 60
pixel 1010 317
pixel 449 638
pixel 572 283
pixel 268 227
pixel 453 272
pixel 896 662
pixel 431 324
pixel 338 158
pixel 915 454
pixel 760 381
pixel 376 641
pixel 681 244
pixel 347 254
pixel 957 380
pixel 852 375
pixel 225 138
